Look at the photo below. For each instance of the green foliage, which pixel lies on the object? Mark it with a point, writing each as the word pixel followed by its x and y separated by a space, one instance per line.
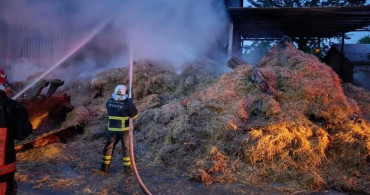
pixel 364 40
pixel 276 3
pixel 343 3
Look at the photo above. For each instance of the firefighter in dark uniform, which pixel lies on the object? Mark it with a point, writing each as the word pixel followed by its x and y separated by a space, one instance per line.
pixel 14 124
pixel 120 109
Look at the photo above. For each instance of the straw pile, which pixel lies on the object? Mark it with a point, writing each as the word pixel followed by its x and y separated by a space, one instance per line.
pixel 308 134
pixel 308 126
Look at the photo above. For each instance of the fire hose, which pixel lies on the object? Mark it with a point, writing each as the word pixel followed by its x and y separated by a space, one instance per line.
pixel 131 135
pixel 132 156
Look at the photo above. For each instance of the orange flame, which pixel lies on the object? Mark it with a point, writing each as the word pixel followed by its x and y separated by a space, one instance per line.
pixel 37 120
pixel 232 125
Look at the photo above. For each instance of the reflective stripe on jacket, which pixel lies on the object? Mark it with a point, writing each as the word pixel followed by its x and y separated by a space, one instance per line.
pixel 14 125
pixel 118 114
pixel 4 169
pixel 117 123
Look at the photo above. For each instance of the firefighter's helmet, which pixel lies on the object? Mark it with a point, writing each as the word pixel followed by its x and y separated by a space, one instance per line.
pixel 119 93
pixel 2 76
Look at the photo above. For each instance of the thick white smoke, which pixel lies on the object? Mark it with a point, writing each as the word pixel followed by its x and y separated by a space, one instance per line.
pixel 176 31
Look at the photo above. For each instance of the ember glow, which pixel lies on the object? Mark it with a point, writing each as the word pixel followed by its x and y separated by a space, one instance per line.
pixel 36 121
pixel 232 125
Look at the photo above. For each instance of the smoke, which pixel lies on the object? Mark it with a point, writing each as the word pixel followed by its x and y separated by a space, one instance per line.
pixel 175 31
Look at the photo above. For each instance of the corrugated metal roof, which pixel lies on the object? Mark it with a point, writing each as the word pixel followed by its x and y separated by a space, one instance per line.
pixel 357 53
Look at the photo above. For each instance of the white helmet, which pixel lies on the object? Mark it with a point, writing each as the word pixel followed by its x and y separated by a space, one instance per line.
pixel 120 93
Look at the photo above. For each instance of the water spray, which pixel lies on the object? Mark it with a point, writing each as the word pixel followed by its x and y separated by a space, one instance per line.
pixel 131 64
pixel 131 130
pixel 63 59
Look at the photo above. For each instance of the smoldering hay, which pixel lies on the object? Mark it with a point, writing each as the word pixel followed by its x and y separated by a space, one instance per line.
pixel 308 134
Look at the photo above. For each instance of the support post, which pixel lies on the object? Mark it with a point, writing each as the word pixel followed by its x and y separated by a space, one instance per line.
pixel 230 45
pixel 237 41
pixel 341 57
pixel 301 43
pixel 318 42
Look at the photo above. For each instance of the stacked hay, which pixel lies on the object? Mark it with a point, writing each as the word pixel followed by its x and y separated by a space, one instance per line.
pixel 308 134
pixel 305 128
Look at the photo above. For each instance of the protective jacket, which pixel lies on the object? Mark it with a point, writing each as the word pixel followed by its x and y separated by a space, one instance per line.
pixel 14 124
pixel 118 114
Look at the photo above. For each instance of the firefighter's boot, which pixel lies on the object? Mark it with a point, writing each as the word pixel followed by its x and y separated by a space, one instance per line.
pixel 128 169
pixel 105 168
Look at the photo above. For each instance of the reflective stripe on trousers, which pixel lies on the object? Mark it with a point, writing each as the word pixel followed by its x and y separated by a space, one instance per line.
pixel 126 161
pixel 107 159
pixel 112 140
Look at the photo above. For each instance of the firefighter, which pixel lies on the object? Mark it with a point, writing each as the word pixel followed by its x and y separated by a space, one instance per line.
pixel 14 124
pixel 3 81
pixel 120 109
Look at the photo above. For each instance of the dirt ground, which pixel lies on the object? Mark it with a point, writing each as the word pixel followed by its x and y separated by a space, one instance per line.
pixel 61 168
pixel 54 170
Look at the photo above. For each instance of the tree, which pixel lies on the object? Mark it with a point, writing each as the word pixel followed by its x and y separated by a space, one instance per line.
pixel 343 3
pixel 364 40
pixel 276 3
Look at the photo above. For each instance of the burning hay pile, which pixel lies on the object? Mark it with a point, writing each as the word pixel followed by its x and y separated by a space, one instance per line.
pixel 305 132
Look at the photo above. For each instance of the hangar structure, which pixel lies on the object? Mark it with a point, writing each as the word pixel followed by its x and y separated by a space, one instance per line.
pixel 300 24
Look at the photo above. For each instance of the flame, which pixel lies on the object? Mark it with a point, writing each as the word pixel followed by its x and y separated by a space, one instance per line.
pixel 232 125
pixel 37 120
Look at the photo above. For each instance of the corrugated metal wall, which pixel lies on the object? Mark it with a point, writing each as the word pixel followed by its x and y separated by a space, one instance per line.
pixel 25 44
